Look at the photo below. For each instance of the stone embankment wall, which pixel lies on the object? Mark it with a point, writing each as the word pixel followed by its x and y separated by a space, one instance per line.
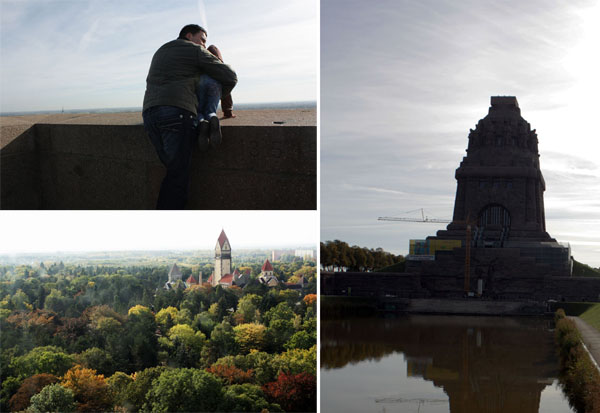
pixel 403 290
pixel 100 166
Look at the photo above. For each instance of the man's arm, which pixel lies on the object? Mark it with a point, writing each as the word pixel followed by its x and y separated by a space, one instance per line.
pixel 212 66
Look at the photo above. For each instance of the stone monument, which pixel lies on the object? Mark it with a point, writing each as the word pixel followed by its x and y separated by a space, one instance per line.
pixel 499 210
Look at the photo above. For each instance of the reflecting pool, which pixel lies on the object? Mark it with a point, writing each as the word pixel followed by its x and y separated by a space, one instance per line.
pixel 440 364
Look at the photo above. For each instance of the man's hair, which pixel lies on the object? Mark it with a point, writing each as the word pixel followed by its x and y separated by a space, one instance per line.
pixel 191 28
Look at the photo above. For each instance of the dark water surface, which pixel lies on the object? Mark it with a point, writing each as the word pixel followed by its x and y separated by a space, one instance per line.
pixel 440 364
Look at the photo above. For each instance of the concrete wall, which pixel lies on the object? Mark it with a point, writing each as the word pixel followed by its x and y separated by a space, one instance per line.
pixel 63 166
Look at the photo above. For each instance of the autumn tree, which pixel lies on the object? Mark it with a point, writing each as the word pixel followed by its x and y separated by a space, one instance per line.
pixel 293 392
pixel 31 386
pixel 230 374
pixel 250 336
pixel 90 390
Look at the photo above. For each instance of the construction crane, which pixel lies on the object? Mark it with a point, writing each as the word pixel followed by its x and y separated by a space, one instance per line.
pixel 424 218
pixel 468 222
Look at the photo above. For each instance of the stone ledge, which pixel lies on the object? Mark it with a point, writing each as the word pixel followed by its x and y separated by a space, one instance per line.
pixel 76 165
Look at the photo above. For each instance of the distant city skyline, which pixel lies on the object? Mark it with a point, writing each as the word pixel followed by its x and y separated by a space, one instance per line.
pixel 88 54
pixel 114 231
pixel 403 82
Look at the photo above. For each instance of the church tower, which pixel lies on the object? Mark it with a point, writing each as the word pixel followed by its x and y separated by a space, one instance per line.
pixel 222 258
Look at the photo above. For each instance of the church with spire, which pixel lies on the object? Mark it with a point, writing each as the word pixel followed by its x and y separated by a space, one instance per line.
pixel 222 274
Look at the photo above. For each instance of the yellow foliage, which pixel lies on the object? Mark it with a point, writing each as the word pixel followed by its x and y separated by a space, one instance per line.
pixel 250 336
pixel 138 310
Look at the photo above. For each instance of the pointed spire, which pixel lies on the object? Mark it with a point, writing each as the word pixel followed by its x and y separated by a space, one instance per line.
pixel 267 266
pixel 222 238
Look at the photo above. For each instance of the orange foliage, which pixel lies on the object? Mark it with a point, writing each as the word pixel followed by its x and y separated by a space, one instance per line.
pixel 310 299
pixel 231 374
pixel 91 390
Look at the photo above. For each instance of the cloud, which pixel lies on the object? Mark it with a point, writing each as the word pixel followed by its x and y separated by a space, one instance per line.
pixel 87 54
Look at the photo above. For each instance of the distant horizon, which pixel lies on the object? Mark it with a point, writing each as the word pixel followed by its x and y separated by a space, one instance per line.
pixel 80 252
pixel 120 109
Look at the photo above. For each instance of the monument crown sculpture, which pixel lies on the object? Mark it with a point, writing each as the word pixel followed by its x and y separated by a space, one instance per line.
pixel 500 187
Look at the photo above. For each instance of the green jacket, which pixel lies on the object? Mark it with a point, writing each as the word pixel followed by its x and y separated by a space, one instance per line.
pixel 174 71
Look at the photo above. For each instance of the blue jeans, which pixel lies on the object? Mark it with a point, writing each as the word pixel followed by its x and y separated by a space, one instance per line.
pixel 172 131
pixel 208 91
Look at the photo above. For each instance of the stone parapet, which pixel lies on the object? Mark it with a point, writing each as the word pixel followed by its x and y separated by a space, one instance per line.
pixel 77 165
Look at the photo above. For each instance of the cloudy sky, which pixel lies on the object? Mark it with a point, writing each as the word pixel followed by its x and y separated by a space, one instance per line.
pixel 82 54
pixel 67 231
pixel 402 83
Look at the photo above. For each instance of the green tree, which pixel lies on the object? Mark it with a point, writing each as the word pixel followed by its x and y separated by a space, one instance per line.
pixel 248 308
pixel 184 390
pixel 53 398
pixel 222 340
pixel 278 333
pixel 97 359
pixel 47 359
pixel 281 311
pixel 186 348
pixel 302 340
pixel 143 344
pixel 204 322
pixel 118 385
pixel 165 318
pixel 137 391
pixel 246 398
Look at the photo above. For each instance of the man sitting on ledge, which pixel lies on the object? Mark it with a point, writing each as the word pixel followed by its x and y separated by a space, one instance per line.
pixel 179 70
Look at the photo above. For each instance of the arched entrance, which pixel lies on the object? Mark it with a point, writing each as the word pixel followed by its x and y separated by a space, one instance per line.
pixel 493 226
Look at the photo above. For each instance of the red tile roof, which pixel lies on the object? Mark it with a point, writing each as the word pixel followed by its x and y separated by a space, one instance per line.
pixel 210 278
pixel 226 279
pixel 222 238
pixel 267 266
pixel 191 280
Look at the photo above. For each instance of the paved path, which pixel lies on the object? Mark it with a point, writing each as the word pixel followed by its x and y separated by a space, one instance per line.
pixel 590 336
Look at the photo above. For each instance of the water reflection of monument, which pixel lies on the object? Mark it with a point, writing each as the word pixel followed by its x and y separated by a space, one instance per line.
pixel 483 364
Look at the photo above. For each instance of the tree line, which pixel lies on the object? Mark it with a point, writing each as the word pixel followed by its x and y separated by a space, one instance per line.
pixel 339 256
pixel 85 340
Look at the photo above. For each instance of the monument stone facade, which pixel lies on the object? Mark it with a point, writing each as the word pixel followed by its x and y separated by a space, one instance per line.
pixel 505 250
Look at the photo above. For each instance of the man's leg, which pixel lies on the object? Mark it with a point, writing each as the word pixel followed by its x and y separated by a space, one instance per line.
pixel 209 95
pixel 171 131
pixel 227 106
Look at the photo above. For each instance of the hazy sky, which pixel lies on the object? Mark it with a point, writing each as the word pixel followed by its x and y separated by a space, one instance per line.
pixel 65 231
pixel 81 54
pixel 403 81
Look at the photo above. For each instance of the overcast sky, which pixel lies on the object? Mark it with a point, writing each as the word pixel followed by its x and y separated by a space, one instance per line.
pixel 83 54
pixel 403 81
pixel 66 231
